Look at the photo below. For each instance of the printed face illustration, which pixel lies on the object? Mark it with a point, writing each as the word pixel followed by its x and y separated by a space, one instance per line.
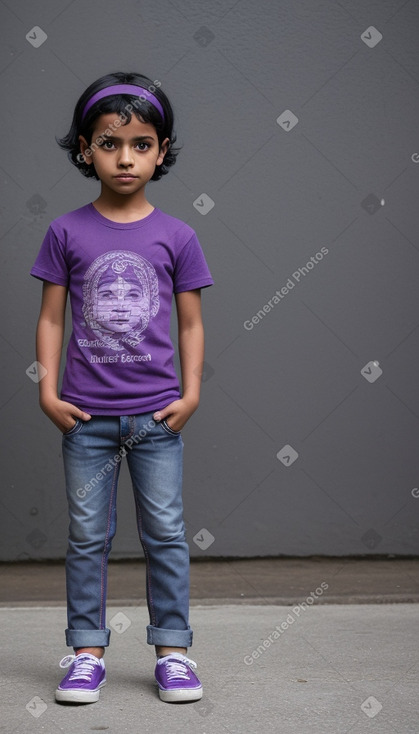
pixel 121 305
pixel 120 296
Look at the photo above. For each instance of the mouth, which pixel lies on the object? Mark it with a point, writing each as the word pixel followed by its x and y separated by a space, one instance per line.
pixel 125 177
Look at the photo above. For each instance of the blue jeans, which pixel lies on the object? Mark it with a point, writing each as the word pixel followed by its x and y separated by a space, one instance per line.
pixel 92 453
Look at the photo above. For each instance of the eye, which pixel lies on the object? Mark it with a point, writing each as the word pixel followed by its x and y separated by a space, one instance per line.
pixel 103 295
pixel 106 145
pixel 142 145
pixel 134 295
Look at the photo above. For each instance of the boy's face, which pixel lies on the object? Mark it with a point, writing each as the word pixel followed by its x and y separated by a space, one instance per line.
pixel 121 306
pixel 126 156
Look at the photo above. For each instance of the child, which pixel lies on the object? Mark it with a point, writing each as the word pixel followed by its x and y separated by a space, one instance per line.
pixel 121 260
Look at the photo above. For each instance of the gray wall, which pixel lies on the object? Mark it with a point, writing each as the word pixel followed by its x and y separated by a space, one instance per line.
pixel 314 228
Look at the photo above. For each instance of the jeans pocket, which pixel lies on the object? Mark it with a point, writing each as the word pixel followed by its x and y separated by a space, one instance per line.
pixel 167 428
pixel 75 429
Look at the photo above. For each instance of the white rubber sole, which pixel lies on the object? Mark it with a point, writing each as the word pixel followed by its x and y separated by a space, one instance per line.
pixel 183 694
pixel 75 696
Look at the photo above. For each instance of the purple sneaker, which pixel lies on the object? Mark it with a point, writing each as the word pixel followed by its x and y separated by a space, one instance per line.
pixel 84 679
pixel 176 679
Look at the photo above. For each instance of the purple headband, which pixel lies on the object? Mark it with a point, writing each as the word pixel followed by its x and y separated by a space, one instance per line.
pixel 123 89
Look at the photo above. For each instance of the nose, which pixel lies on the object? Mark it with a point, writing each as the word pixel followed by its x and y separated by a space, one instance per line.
pixel 125 156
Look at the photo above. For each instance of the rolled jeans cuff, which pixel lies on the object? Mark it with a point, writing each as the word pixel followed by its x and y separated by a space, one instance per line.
pixel 87 638
pixel 169 638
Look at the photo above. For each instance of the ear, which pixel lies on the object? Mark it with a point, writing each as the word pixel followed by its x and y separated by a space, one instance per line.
pixel 85 150
pixel 163 150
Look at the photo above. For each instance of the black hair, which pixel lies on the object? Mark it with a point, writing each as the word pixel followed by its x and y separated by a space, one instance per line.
pixel 124 105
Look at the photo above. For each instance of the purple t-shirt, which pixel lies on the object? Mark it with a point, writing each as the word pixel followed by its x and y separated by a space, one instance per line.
pixel 121 279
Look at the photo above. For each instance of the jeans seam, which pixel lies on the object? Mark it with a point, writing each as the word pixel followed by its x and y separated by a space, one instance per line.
pixel 147 561
pixel 105 554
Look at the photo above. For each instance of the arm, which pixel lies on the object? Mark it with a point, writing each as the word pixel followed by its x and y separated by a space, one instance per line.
pixel 191 344
pixel 49 343
pixel 191 354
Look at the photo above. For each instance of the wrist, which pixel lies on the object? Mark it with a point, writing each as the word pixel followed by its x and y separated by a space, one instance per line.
pixel 191 400
pixel 47 397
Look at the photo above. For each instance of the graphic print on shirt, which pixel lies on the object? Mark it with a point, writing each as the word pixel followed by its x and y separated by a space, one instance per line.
pixel 120 296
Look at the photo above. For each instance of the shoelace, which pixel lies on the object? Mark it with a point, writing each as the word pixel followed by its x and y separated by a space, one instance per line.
pixel 83 669
pixel 177 666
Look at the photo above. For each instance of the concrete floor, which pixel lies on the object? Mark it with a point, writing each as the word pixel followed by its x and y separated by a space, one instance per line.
pixel 324 659
pixel 342 669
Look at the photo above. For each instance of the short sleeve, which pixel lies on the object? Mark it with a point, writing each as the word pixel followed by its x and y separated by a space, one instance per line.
pixel 50 263
pixel 191 270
